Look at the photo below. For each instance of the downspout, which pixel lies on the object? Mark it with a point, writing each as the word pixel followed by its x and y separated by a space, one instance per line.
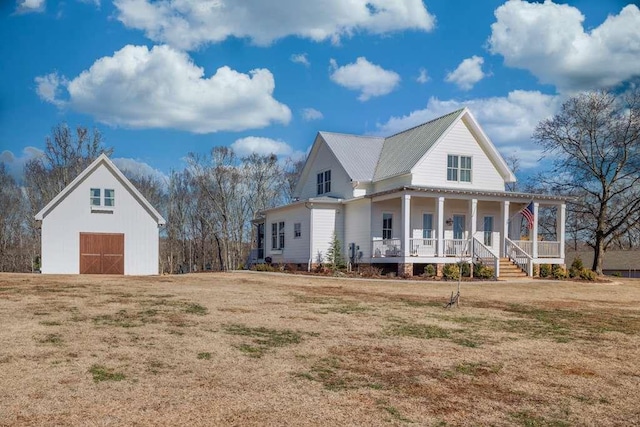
pixel 310 207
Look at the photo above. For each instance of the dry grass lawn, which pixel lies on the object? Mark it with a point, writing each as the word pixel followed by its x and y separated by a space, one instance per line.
pixel 270 349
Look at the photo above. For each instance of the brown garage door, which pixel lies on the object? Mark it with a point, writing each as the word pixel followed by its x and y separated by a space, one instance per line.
pixel 101 253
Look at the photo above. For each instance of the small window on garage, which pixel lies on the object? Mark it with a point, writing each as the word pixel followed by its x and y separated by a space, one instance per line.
pixel 109 197
pixel 95 197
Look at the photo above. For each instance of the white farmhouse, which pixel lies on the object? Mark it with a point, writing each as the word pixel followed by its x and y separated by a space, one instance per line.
pixel 433 194
pixel 100 224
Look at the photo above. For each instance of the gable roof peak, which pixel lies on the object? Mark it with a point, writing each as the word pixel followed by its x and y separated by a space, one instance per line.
pixel 101 159
pixel 455 113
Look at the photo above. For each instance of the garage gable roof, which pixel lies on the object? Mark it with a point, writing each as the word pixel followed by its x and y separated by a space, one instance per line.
pixel 101 160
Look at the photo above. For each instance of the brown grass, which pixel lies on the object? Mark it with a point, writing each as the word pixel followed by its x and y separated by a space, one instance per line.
pixel 268 349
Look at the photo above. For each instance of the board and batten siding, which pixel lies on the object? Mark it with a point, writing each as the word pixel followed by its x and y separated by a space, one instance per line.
pixel 325 222
pixel 62 226
pixel 340 182
pixel 431 171
pixel 357 227
pixel 296 250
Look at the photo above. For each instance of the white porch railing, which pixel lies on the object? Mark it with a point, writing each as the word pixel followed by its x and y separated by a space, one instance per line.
pixel 546 249
pixel 519 256
pixel 482 254
pixel 386 248
pixel 457 247
pixel 424 247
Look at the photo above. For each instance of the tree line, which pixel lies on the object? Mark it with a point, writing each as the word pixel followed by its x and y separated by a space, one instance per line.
pixel 592 144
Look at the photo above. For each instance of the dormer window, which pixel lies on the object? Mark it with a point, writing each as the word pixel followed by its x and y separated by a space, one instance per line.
pixel 98 201
pixel 324 182
pixel 458 168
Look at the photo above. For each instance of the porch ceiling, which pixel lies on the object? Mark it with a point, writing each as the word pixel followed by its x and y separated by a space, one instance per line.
pixel 500 195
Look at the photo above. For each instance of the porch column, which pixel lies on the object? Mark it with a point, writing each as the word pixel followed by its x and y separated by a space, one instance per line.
pixel 440 226
pixel 562 214
pixel 474 217
pixel 406 225
pixel 505 227
pixel 534 238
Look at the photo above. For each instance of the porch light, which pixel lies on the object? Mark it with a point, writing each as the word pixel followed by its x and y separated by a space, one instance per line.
pixel 449 221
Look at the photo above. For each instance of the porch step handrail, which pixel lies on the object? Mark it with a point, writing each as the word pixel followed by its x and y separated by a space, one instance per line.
pixel 518 256
pixel 484 255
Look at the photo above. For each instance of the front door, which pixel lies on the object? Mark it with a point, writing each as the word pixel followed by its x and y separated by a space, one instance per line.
pixel 488 231
pixel 459 224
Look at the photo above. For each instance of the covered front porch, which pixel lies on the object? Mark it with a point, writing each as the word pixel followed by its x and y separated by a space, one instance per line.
pixel 419 226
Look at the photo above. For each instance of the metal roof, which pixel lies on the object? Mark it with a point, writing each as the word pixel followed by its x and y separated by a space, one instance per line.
pixel 358 154
pixel 403 150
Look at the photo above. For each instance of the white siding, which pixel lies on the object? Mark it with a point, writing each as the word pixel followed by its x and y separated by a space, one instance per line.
pixel 432 169
pixel 325 222
pixel 340 181
pixel 392 183
pixel 388 206
pixel 296 250
pixel 357 229
pixel 62 226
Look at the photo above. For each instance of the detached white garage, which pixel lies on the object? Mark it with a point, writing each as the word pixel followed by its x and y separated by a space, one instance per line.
pixel 100 224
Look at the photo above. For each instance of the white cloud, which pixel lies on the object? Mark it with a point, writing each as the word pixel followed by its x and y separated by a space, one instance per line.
pixel 423 77
pixel 550 41
pixel 259 145
pixel 188 24
pixel 30 6
pixel 300 58
pixel 509 121
pixel 49 87
pixel 138 169
pixel 309 114
pixel 15 164
pixel 370 79
pixel 163 88
pixel 468 73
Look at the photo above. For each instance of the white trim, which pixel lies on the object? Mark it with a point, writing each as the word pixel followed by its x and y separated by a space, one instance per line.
pixel 102 158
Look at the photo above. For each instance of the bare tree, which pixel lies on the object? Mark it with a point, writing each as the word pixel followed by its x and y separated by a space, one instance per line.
pixel 15 253
pixel 594 144
pixel 513 162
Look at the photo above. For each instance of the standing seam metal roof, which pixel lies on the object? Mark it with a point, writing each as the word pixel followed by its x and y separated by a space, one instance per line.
pixel 370 158
pixel 403 150
pixel 358 154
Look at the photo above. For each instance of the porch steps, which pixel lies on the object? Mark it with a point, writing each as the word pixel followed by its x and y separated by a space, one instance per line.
pixel 509 270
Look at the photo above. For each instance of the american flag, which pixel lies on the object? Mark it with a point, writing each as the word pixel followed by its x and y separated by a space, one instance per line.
pixel 528 214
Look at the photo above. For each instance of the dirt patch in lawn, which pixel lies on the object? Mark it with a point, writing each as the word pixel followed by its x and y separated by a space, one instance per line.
pixel 265 349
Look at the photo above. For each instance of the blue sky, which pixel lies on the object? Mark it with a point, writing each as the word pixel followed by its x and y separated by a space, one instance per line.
pixel 165 78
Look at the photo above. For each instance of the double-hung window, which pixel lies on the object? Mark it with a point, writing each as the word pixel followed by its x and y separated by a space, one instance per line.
pixel 387 226
pixel 297 230
pixel 458 168
pixel 274 236
pixel 277 235
pixel 324 182
pixel 281 234
pixel 96 197
pixel 109 198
